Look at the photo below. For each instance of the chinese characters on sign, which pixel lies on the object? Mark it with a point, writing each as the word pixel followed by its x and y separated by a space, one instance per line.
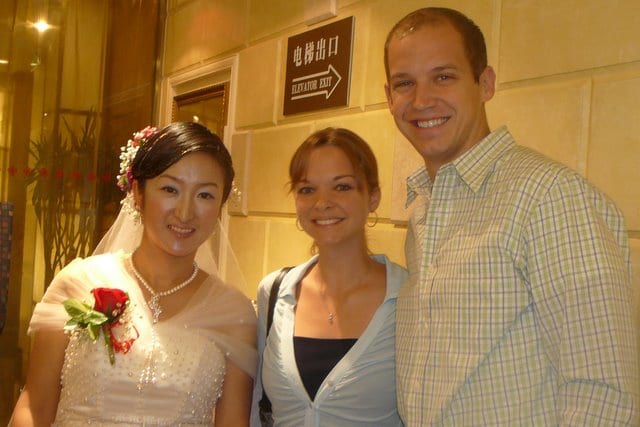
pixel 317 51
pixel 319 68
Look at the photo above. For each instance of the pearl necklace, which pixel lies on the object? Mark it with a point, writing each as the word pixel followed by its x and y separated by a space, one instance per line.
pixel 154 302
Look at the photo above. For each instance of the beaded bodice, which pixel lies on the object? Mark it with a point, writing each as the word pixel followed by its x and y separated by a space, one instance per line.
pixel 172 375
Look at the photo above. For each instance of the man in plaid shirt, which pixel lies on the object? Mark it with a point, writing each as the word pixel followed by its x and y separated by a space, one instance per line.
pixel 517 309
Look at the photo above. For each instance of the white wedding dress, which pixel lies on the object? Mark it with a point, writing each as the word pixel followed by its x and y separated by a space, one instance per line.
pixel 174 371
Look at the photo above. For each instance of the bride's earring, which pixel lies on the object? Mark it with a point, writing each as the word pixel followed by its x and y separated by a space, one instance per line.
pixel 137 216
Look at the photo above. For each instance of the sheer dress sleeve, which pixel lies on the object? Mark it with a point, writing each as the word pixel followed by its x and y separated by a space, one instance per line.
pixel 226 316
pixel 74 281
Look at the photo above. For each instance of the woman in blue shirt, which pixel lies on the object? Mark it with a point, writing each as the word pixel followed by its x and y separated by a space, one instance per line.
pixel 329 358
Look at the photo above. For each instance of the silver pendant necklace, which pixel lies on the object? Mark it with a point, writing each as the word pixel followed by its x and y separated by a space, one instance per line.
pixel 331 315
pixel 330 318
pixel 154 302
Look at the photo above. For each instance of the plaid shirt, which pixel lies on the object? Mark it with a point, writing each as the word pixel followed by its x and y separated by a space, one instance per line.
pixel 517 308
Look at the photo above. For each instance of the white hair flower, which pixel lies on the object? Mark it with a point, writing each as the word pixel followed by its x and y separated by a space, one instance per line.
pixel 125 179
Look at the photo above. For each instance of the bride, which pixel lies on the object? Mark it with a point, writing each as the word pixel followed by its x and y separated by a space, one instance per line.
pixel 144 331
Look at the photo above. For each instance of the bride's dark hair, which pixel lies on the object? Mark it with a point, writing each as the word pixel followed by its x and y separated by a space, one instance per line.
pixel 170 144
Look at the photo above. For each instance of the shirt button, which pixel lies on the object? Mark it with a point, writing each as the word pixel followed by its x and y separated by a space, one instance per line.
pixel 330 383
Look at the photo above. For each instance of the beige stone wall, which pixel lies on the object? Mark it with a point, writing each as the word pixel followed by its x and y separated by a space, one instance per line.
pixel 568 85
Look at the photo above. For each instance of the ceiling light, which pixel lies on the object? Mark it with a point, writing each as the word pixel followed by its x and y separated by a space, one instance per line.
pixel 41 26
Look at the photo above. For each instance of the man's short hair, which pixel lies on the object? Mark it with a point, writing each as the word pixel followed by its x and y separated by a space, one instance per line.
pixel 472 37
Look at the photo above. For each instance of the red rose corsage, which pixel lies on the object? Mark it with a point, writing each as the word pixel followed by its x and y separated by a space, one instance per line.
pixel 106 315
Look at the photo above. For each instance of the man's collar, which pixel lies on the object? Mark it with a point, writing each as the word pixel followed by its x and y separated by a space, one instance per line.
pixel 473 167
pixel 418 183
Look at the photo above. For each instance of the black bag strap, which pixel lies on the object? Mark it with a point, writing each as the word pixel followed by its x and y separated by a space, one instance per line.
pixel 265 403
pixel 273 296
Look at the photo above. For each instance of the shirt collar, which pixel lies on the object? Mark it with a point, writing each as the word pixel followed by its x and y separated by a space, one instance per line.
pixel 288 291
pixel 476 165
pixel 290 282
pixel 418 184
pixel 473 167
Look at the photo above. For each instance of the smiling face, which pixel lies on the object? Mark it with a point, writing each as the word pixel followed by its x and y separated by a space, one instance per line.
pixel 433 96
pixel 181 206
pixel 332 202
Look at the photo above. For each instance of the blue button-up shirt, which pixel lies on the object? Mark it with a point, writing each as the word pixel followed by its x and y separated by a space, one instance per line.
pixel 360 390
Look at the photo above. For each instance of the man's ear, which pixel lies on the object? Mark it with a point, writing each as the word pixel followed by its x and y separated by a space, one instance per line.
pixel 488 83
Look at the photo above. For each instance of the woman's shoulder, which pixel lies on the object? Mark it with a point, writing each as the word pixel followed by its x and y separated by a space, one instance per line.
pixel 267 281
pixel 287 283
pixel 91 268
pixel 393 268
pixel 224 296
pixel 94 263
pixel 396 274
pixel 78 277
pixel 291 275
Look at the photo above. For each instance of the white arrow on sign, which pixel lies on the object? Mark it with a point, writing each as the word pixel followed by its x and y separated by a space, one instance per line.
pixel 326 82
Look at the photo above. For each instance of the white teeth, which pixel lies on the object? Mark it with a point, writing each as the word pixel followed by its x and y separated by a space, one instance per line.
pixel 327 221
pixel 180 230
pixel 432 123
